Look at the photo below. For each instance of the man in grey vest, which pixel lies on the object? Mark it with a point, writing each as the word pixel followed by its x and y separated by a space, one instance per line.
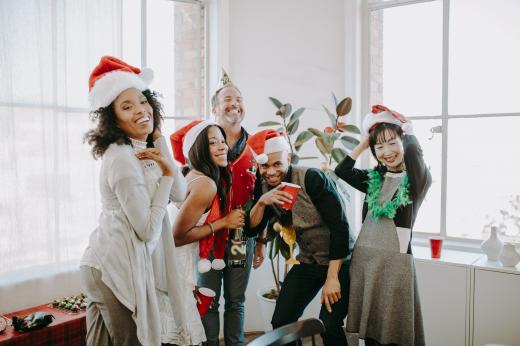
pixel 322 234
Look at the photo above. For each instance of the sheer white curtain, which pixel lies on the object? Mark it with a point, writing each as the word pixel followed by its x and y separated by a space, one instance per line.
pixel 49 200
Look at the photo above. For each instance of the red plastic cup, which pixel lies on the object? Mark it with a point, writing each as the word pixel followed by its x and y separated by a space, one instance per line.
pixel 205 297
pixel 436 246
pixel 293 189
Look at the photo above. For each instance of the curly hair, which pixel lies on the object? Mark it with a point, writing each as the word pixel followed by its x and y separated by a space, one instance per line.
pixel 107 131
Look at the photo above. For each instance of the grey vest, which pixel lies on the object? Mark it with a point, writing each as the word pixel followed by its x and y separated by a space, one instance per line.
pixel 312 235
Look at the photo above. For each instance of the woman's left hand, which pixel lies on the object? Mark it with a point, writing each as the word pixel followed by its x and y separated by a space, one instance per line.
pixel 155 155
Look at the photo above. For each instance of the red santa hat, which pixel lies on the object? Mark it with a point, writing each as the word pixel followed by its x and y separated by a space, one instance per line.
pixel 382 114
pixel 266 142
pixel 183 139
pixel 113 76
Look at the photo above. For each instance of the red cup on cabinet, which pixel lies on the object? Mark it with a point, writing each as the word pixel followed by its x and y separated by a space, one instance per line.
pixel 293 189
pixel 205 297
pixel 436 246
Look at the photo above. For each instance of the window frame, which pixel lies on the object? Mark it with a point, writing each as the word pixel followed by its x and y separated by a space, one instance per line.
pixel 421 238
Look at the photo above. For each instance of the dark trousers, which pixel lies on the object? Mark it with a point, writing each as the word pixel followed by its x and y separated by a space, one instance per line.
pixel 300 286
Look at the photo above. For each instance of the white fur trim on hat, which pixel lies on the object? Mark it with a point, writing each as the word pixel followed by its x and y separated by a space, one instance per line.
pixel 276 144
pixel 218 264
pixel 192 134
pixel 204 265
pixel 374 118
pixel 108 87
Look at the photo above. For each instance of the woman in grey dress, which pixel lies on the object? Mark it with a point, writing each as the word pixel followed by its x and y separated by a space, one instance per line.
pixel 384 307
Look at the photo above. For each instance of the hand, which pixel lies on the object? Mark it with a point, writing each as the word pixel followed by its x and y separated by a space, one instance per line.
pixel 331 293
pixel 235 219
pixel 365 142
pixel 275 196
pixel 259 255
pixel 155 155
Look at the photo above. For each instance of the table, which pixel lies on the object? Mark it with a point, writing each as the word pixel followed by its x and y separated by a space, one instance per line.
pixel 66 329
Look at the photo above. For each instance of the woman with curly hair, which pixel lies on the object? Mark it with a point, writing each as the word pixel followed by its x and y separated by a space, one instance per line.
pixel 133 240
pixel 384 306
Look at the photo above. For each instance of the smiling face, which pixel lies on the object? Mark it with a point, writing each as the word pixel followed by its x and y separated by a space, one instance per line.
pixel 387 147
pixel 134 114
pixel 275 169
pixel 218 148
pixel 229 108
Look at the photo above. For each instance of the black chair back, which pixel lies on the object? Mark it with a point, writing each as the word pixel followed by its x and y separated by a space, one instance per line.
pixel 290 333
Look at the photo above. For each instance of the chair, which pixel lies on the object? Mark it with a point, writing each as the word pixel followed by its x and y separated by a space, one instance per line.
pixel 290 333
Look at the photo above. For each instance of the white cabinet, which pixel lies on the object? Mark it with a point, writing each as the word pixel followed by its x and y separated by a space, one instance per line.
pixel 444 290
pixel 496 318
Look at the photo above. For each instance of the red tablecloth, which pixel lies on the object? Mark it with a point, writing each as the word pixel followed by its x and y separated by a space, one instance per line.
pixel 66 329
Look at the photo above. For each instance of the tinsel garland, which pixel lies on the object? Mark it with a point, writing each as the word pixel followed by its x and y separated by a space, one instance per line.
pixel 388 208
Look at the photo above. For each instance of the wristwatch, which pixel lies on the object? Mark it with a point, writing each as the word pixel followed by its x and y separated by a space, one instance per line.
pixel 261 240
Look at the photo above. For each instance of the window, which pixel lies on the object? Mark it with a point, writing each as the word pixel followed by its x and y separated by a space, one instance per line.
pixel 49 200
pixel 452 67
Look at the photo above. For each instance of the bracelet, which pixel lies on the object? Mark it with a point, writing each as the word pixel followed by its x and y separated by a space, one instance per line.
pixel 261 240
pixel 211 228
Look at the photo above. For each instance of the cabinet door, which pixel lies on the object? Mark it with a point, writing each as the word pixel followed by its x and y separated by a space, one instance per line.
pixel 496 308
pixel 443 292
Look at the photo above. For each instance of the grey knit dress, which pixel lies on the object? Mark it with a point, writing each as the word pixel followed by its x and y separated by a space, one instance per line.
pixel 383 299
pixel 384 303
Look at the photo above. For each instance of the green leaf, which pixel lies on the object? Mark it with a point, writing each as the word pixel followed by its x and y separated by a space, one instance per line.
pixel 334 99
pixel 344 107
pixel 284 250
pixel 303 137
pixel 351 129
pixel 330 138
pixel 322 146
pixel 287 109
pixel 338 154
pixel 297 114
pixel 269 123
pixel 332 117
pixel 349 142
pixel 293 127
pixel 295 159
pixel 316 132
pixel 275 101
pixel 280 129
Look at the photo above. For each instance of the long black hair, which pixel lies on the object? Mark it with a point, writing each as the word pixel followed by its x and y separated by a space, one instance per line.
pixel 199 158
pixel 380 134
pixel 107 131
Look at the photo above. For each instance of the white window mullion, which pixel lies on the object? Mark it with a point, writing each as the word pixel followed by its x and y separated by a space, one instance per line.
pixel 445 79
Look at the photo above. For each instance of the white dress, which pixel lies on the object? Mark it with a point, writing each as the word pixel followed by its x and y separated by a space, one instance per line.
pixel 187 256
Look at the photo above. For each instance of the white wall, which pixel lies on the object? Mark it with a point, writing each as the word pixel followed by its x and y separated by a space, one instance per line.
pixel 293 50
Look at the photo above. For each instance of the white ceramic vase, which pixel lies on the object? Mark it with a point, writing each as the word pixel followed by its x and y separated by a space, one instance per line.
pixel 509 256
pixel 493 246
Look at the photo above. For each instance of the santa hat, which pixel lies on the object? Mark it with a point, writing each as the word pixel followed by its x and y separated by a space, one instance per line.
pixel 266 142
pixel 113 76
pixel 183 139
pixel 382 114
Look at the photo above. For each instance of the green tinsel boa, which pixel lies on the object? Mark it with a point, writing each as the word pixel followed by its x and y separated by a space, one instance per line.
pixel 388 208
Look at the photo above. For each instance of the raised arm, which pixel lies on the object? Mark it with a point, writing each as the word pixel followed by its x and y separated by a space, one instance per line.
pixel 357 178
pixel 418 173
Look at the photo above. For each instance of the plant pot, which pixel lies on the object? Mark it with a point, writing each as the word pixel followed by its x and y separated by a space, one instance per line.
pixel 266 307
